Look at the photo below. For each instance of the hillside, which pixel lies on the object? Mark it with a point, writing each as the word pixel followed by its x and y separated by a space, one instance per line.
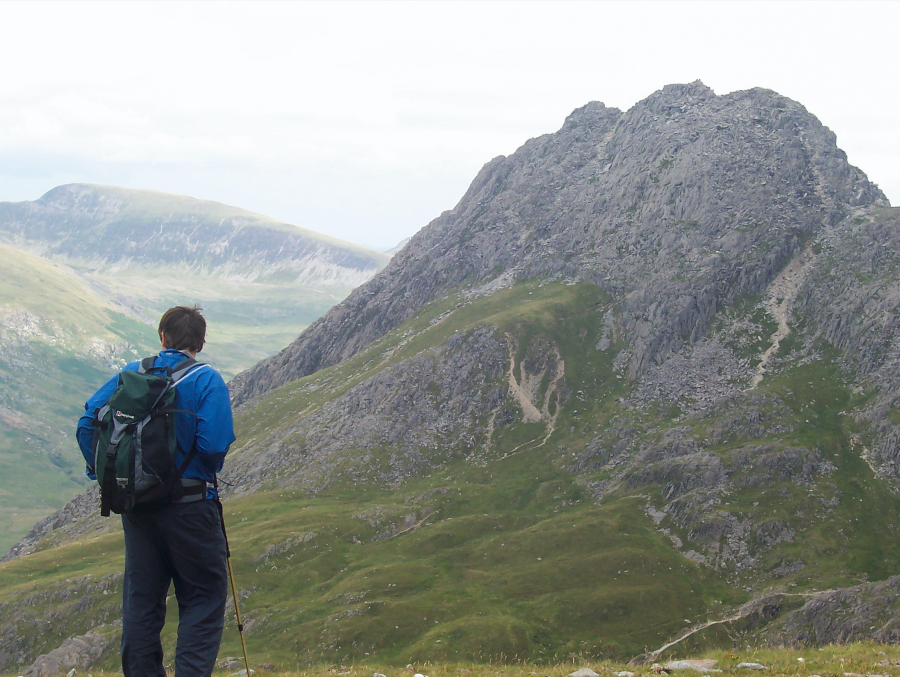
pixel 57 340
pixel 85 276
pixel 637 388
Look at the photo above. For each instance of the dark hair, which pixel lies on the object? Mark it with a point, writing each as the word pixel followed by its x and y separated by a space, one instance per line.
pixel 183 328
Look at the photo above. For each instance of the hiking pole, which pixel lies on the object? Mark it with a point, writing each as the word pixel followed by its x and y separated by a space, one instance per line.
pixel 237 609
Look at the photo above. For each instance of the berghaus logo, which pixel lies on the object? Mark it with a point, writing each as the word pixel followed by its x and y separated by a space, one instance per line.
pixel 122 414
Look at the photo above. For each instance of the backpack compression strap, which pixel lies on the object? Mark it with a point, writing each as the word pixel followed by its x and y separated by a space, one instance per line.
pixel 109 481
pixel 109 473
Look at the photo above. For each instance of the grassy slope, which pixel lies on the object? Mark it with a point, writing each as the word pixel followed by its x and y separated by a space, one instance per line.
pixel 829 661
pixel 43 380
pixel 510 558
pixel 37 416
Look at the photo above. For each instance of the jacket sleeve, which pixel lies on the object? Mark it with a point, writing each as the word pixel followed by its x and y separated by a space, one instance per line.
pixel 215 423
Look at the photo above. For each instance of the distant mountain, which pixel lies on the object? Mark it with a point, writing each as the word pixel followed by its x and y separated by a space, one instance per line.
pixel 635 395
pixel 95 227
pixel 86 272
pixel 261 281
pixel 400 245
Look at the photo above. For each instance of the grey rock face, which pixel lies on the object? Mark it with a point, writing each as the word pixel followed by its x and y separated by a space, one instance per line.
pixel 74 653
pixel 852 300
pixel 28 624
pixel 869 611
pixel 442 395
pixel 679 205
pixel 74 519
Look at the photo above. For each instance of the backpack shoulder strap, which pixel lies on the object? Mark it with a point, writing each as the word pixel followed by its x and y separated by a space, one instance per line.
pixel 147 364
pixel 183 368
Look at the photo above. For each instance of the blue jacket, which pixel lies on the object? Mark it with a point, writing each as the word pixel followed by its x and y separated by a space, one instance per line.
pixel 202 391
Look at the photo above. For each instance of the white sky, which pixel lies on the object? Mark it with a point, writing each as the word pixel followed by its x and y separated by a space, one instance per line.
pixel 366 120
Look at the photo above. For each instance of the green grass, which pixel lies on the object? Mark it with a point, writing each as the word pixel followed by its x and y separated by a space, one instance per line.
pixel 829 661
pixel 45 376
pixel 497 567
pixel 512 559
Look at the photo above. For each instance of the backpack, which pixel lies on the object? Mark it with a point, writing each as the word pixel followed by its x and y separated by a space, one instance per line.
pixel 134 441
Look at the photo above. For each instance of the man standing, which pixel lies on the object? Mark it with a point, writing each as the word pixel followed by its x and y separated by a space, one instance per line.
pixel 182 542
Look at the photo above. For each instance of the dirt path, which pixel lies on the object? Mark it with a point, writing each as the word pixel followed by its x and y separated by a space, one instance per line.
pixel 779 298
pixel 745 610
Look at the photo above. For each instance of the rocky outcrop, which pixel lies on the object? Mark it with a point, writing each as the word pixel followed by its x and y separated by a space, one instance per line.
pixel 78 517
pixel 34 620
pixel 865 612
pixel 76 652
pixel 676 207
pixel 852 301
pixel 419 413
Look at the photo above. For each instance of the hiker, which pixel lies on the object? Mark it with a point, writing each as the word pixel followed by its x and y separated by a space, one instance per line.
pixel 176 537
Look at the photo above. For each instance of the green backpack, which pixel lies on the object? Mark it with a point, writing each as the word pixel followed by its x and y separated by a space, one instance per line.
pixel 134 441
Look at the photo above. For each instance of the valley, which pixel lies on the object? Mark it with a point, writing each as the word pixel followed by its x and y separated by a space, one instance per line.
pixel 77 302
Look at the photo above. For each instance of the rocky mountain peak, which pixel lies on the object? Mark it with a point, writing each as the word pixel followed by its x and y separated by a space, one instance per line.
pixel 725 188
pixel 590 115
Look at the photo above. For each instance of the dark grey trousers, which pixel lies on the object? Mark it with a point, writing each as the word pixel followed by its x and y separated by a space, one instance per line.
pixel 183 544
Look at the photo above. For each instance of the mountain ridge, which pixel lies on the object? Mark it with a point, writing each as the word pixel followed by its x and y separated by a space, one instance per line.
pixel 114 224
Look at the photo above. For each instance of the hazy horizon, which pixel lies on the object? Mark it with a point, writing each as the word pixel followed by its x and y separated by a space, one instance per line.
pixel 365 121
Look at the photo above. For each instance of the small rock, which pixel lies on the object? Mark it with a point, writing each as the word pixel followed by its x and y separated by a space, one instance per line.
pixel 419 674
pixel 410 668
pixel 656 668
pixel 378 674
pixel 71 673
pixel 624 673
pixel 699 664
pixel 751 666
pixel 583 672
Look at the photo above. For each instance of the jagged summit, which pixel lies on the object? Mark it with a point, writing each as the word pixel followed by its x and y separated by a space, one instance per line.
pixel 724 187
